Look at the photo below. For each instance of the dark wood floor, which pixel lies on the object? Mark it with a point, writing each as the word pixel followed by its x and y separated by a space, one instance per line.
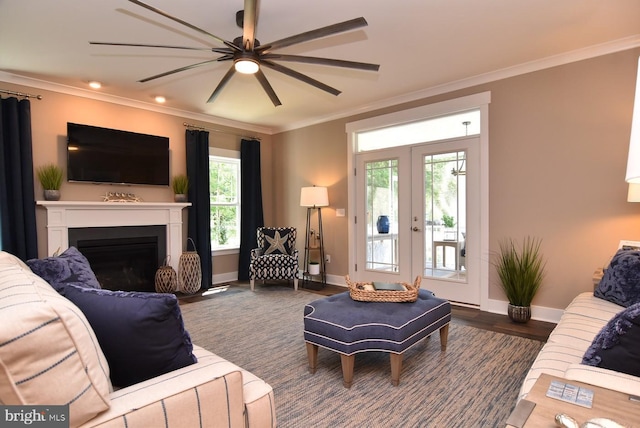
pixel 536 330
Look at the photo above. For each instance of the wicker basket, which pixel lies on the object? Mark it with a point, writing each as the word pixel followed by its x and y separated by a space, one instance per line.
pixel 166 278
pixel 364 292
pixel 189 271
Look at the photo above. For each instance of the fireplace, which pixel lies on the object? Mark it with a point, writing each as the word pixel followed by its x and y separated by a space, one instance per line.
pixel 123 258
pixel 63 217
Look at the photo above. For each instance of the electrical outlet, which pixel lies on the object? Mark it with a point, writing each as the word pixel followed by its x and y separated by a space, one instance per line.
pixel 327 258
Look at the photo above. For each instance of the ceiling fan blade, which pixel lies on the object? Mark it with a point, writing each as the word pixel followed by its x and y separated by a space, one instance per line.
pixel 292 73
pixel 186 24
pixel 249 24
pixel 222 51
pixel 323 61
pixel 222 84
pixel 140 45
pixel 178 70
pixel 267 88
pixel 314 34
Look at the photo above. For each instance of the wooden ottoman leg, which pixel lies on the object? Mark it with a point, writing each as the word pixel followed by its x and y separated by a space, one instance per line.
pixel 444 335
pixel 396 368
pixel 348 362
pixel 312 355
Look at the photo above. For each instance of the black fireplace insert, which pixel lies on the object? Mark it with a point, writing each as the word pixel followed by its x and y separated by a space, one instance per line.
pixel 124 257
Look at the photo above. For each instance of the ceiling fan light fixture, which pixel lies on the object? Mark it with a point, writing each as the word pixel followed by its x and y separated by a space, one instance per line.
pixel 246 65
pixel 95 84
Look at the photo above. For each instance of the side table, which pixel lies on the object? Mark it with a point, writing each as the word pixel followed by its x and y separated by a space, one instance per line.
pixel 597 276
pixel 614 405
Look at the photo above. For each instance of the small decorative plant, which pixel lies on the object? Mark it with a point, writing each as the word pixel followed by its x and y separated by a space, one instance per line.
pixel 448 220
pixel 180 184
pixel 50 176
pixel 521 270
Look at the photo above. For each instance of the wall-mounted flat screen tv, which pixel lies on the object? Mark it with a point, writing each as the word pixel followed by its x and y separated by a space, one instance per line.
pixel 102 155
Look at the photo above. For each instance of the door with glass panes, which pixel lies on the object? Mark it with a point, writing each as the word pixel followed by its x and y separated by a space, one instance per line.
pixel 418 215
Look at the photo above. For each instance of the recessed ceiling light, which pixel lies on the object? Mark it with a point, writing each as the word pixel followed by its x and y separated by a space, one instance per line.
pixel 95 85
pixel 160 99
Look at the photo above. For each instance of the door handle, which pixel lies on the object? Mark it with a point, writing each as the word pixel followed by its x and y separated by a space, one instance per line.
pixel 416 229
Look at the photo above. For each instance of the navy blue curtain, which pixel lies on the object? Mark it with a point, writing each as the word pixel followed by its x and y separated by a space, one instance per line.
pixel 17 202
pixel 199 228
pixel 251 216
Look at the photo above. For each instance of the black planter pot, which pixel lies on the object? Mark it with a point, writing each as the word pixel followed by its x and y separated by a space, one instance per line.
pixel 519 314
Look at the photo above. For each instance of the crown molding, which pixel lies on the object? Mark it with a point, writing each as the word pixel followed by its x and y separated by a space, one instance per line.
pixel 528 67
pixel 98 96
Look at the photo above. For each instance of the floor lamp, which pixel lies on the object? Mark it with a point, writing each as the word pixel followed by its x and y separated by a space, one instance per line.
pixel 314 198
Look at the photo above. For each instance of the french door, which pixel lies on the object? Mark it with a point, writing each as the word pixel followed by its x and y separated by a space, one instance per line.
pixel 418 214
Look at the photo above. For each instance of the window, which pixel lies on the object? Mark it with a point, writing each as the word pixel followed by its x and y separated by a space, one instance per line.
pixel 224 197
pixel 421 131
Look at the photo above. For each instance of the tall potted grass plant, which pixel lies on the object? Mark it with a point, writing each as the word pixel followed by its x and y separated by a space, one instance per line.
pixel 50 177
pixel 521 271
pixel 180 186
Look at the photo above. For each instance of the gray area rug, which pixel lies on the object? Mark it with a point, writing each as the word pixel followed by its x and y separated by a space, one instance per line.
pixel 474 383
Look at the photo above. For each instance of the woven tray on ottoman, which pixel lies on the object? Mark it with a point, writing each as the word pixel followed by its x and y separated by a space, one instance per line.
pixel 366 292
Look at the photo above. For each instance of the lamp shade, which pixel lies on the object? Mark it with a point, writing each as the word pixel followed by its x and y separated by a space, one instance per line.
pixel 633 162
pixel 633 195
pixel 315 196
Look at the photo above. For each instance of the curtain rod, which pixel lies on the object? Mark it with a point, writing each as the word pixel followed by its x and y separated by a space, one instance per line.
pixel 20 94
pixel 202 128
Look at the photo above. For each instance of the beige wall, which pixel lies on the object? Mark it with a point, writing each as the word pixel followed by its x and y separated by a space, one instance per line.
pixel 558 141
pixel 558 148
pixel 49 119
pixel 316 155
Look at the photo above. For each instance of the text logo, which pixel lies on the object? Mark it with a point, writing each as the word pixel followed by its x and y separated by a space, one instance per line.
pixel 34 416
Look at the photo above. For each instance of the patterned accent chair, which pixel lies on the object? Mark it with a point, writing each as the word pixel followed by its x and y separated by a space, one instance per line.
pixel 276 256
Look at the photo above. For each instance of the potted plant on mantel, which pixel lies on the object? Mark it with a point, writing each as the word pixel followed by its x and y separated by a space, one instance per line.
pixel 521 270
pixel 180 185
pixel 50 177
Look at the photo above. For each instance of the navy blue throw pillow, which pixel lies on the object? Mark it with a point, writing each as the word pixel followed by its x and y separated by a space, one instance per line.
pixel 617 346
pixel 620 283
pixel 70 267
pixel 142 335
pixel 276 241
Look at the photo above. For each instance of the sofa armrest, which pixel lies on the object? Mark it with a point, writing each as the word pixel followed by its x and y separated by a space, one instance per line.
pixel 604 378
pixel 208 393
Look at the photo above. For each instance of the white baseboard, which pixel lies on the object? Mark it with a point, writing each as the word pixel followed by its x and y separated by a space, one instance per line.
pixel 337 280
pixel 221 278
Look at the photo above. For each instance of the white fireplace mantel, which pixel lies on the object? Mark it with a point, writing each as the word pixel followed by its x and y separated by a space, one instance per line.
pixel 65 215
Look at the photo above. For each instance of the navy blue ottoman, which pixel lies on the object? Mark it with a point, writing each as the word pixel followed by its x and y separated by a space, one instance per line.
pixel 347 326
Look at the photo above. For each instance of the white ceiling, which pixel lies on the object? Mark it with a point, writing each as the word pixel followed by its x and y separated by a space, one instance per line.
pixel 421 45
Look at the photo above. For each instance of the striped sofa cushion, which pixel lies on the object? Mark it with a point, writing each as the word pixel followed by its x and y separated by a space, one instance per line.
pixel 211 393
pixel 48 352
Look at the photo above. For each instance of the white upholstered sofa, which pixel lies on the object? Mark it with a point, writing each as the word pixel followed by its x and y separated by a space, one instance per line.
pixel 562 355
pixel 49 355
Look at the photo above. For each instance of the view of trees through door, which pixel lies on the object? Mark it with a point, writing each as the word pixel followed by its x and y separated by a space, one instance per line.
pixel 445 214
pixel 382 215
pixel 418 208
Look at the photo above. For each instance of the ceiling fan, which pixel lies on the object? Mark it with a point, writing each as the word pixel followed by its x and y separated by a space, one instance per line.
pixel 249 56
